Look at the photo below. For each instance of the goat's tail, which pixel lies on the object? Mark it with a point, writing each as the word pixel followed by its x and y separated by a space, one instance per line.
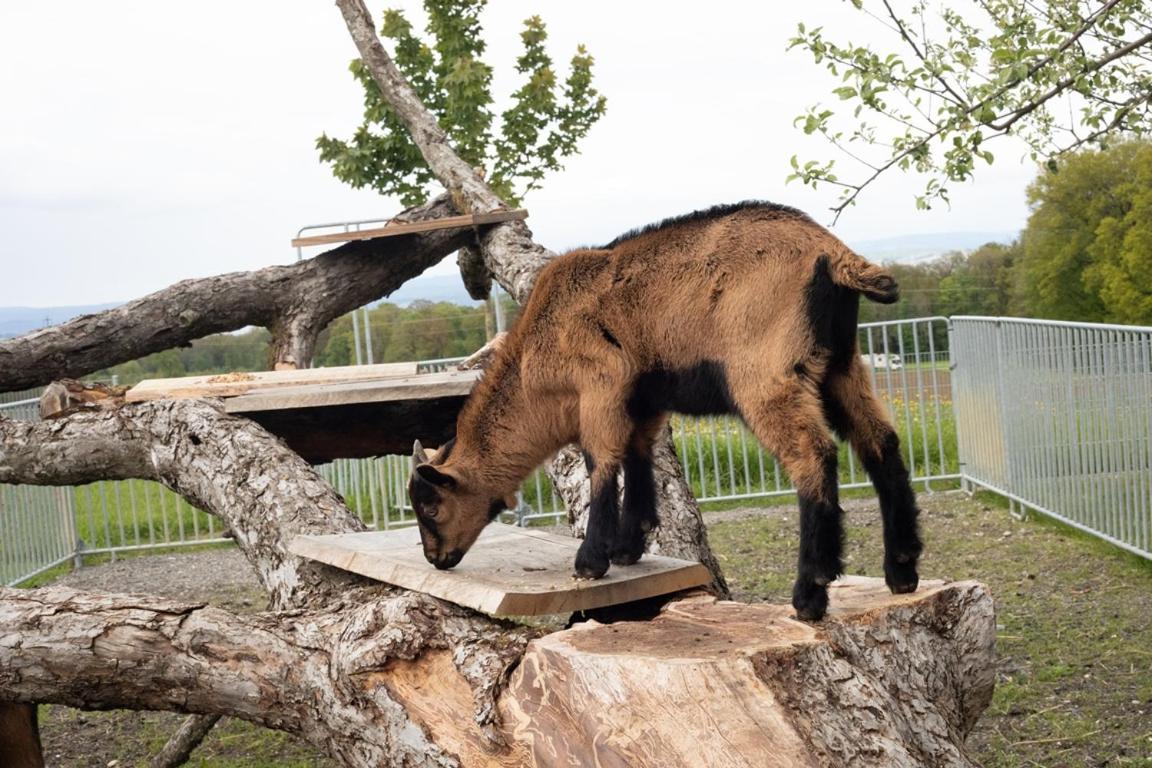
pixel 851 270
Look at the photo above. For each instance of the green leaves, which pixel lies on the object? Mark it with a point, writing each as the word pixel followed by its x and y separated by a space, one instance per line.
pixel 1058 75
pixel 543 125
pixel 1087 251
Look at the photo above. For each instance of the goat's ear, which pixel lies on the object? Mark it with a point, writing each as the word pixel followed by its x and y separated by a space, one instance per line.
pixel 434 476
pixel 420 455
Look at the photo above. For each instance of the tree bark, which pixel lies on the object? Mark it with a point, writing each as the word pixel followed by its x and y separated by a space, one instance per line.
pixel 294 302
pixel 514 259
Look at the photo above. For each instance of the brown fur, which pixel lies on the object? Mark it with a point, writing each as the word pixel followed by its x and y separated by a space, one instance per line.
pixel 20 737
pixel 732 291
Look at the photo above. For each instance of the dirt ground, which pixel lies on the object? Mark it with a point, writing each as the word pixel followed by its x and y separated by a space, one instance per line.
pixel 1074 635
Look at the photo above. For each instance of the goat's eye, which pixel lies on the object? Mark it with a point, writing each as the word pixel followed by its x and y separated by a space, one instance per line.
pixel 431 512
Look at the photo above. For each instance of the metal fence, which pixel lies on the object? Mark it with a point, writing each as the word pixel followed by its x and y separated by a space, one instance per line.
pixel 1057 417
pixel 40 528
pixel 37 524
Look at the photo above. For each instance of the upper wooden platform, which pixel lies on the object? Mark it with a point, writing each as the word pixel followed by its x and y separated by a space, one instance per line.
pixel 342 412
pixel 509 571
pixel 391 230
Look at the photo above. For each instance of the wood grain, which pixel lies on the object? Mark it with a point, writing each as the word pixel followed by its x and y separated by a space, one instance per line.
pixel 427 386
pixel 233 384
pixel 510 571
pixel 391 230
pixel 885 681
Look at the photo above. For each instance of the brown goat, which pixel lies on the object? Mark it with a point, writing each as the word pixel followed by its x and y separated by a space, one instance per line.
pixel 20 737
pixel 749 309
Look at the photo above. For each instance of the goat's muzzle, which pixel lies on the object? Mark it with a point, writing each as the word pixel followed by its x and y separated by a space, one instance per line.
pixel 447 561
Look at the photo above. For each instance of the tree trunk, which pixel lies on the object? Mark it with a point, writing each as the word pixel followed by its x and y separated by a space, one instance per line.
pixel 886 681
pixel 294 302
pixel 266 495
pixel 514 259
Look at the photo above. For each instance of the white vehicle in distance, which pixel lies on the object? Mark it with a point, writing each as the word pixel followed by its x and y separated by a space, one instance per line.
pixel 884 362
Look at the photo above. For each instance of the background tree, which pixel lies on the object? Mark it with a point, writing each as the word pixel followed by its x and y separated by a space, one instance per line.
pixel 1087 249
pixel 1059 75
pixel 543 125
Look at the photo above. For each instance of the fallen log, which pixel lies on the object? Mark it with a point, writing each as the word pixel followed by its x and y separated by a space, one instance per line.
pixel 886 680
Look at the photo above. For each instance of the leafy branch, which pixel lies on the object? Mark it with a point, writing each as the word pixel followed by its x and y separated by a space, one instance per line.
pixel 1058 75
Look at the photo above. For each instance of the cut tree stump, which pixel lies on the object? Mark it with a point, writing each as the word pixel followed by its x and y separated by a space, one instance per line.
pixel 885 681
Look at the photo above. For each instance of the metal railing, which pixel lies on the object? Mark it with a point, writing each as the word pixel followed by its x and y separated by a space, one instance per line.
pixel 37 524
pixel 1057 417
pixel 42 527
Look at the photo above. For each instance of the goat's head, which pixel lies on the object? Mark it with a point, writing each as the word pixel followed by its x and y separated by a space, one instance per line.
pixel 451 507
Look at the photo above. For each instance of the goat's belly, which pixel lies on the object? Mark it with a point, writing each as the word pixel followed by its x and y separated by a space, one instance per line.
pixel 701 390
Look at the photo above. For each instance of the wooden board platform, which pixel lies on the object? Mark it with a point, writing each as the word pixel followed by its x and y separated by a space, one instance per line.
pixel 391 230
pixel 233 384
pixel 509 571
pixel 355 411
pixel 425 386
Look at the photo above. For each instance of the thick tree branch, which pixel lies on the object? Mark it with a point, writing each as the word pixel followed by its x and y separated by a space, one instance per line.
pixel 512 256
pixel 295 302
pixel 514 260
pixel 319 674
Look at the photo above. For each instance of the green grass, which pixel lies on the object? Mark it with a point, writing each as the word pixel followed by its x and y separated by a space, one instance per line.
pixel 69 736
pixel 1074 634
pixel 721 458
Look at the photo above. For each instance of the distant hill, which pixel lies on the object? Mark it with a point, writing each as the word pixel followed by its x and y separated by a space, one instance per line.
pixel 431 288
pixel 16 321
pixel 912 249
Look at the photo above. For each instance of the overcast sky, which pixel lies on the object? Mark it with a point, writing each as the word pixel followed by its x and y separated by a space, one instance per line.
pixel 146 142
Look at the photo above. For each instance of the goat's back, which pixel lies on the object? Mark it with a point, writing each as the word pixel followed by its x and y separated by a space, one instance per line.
pixel 706 289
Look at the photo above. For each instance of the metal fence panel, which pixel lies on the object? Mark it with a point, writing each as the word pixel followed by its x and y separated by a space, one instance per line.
pixel 36 523
pixel 1058 417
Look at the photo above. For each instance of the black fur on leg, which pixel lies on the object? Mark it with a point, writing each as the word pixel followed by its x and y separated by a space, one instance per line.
pixel 902 545
pixel 639 513
pixel 592 557
pixel 821 545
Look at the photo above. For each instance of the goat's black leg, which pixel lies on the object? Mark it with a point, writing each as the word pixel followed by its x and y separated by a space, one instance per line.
pixel 856 415
pixel 592 558
pixel 639 516
pixel 789 421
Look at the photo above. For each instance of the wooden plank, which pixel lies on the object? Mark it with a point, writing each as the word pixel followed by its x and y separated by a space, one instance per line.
pixel 509 571
pixel 233 384
pixel 391 230
pixel 426 386
pixel 363 430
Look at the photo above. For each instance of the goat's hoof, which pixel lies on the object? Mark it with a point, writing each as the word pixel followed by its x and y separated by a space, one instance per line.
pixel 628 549
pixel 627 556
pixel 589 564
pixel 901 578
pixel 810 601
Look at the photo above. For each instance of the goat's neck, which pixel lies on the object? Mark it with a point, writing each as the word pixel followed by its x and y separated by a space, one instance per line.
pixel 503 433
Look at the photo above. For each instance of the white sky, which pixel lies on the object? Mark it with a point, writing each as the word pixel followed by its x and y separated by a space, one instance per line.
pixel 146 142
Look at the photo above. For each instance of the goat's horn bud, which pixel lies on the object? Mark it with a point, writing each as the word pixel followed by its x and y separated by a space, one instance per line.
pixel 418 456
